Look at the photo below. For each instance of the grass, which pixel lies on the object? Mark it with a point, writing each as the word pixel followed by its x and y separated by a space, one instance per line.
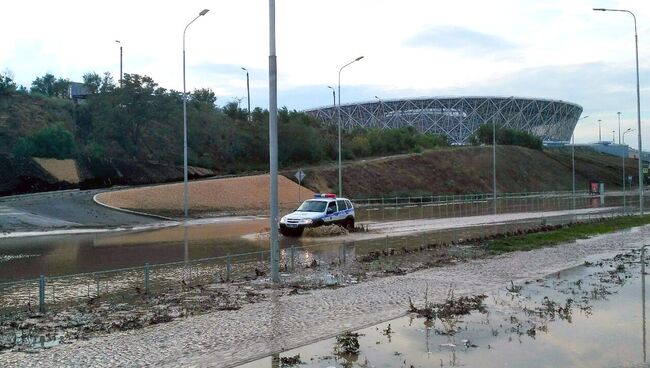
pixel 565 234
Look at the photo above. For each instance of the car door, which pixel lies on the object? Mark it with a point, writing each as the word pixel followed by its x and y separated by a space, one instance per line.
pixel 330 213
pixel 342 210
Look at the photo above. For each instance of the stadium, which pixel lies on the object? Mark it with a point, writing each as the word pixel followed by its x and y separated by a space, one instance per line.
pixel 458 118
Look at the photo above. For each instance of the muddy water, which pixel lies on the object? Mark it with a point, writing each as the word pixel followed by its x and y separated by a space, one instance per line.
pixel 602 326
pixel 29 257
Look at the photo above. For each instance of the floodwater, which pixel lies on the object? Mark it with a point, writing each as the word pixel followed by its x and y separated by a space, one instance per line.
pixel 55 255
pixel 589 316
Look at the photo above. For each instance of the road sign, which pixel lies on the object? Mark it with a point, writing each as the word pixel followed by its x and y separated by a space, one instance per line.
pixel 300 175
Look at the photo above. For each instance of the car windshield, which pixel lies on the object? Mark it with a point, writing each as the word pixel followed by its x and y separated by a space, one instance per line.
pixel 312 206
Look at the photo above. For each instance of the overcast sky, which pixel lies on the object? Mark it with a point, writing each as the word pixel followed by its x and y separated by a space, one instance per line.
pixel 558 49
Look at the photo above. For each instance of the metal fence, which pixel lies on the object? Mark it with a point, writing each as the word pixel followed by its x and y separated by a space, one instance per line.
pixel 325 262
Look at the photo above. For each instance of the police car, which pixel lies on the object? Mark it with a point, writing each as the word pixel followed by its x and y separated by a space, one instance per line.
pixel 323 209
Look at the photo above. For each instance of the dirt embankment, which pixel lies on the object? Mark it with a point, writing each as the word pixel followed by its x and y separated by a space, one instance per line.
pixel 212 196
pixel 461 170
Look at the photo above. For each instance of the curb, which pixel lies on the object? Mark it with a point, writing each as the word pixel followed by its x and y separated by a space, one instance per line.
pixel 130 211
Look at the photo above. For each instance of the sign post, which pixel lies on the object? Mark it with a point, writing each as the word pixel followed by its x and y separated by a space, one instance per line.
pixel 300 175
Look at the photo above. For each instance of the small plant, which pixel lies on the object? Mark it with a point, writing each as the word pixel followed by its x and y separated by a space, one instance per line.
pixel 290 361
pixel 347 343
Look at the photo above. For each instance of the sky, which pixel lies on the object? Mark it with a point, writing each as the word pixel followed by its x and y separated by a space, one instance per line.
pixel 556 49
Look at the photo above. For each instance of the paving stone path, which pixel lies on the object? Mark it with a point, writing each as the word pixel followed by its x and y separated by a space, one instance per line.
pixel 228 338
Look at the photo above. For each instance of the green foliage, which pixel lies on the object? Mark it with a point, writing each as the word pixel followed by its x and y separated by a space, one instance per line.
pixel 565 234
pixel 7 85
pixel 93 82
pixel 50 86
pixel 378 142
pixel 54 141
pixel 140 120
pixel 505 136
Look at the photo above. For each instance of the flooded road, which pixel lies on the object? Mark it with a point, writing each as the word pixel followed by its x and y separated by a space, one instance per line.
pixel 64 254
pixel 589 316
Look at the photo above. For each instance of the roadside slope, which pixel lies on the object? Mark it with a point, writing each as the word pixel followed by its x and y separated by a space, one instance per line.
pixel 461 170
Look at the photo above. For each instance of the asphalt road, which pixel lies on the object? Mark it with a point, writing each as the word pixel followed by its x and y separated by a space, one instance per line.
pixel 61 209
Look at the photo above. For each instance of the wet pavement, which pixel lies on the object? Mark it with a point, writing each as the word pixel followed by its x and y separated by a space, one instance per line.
pixel 227 338
pixel 588 316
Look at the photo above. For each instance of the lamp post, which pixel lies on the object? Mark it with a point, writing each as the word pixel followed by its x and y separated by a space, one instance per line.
pixel 494 166
pixel 638 102
pixel 273 147
pixel 613 136
pixel 624 195
pixel 619 127
pixel 339 115
pixel 600 138
pixel 573 161
pixel 118 41
pixel 333 102
pixel 185 184
pixel 248 93
pixel 381 106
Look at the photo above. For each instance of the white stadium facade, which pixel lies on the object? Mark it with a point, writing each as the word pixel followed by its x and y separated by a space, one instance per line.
pixel 458 118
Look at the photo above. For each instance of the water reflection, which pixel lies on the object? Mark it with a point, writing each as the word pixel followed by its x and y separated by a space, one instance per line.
pixel 518 330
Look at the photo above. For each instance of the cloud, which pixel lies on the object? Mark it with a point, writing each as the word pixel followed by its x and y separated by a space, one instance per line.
pixel 460 39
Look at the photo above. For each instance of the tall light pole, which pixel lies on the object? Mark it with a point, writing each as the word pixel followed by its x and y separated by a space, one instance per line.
pixel 573 161
pixel 333 102
pixel 339 115
pixel 613 136
pixel 185 184
pixel 273 147
pixel 118 41
pixel 638 103
pixel 600 138
pixel 248 93
pixel 494 165
pixel 624 195
pixel 381 106
pixel 619 127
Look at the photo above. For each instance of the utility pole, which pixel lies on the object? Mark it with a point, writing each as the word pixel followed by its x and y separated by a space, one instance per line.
pixel 273 147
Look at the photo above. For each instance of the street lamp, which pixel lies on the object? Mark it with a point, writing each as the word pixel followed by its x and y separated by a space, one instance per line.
pixel 619 127
pixel 600 139
pixel 273 148
pixel 573 161
pixel 248 92
pixel 624 196
pixel 339 115
pixel 381 107
pixel 118 41
pixel 185 184
pixel 613 136
pixel 638 102
pixel 333 102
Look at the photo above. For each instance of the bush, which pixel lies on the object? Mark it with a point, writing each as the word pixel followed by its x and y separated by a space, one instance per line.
pixel 53 141
pixel 505 136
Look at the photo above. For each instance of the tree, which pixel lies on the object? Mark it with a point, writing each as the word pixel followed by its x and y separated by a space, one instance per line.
pixel 7 85
pixel 44 85
pixel 51 141
pixel 505 136
pixel 203 96
pixel 93 82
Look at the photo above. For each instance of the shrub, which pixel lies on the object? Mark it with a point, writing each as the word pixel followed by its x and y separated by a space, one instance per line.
pixel 53 141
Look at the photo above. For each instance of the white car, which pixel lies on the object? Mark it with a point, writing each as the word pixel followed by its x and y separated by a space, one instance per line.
pixel 323 209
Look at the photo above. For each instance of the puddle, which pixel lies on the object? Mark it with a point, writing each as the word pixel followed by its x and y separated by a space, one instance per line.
pixel 589 316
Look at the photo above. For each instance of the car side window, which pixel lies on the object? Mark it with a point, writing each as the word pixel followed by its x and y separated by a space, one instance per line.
pixel 349 204
pixel 341 204
pixel 331 207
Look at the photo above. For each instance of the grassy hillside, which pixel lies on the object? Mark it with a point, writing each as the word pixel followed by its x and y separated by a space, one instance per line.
pixel 469 170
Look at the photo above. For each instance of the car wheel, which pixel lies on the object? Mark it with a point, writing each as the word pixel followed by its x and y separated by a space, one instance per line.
pixel 349 223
